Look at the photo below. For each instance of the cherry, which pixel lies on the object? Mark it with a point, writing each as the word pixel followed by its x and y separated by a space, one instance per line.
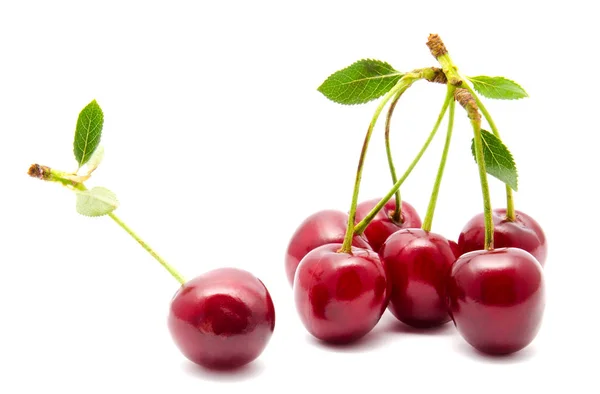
pixel 222 319
pixel 323 227
pixel 524 233
pixel 417 264
pixel 339 296
pixel 383 225
pixel 496 299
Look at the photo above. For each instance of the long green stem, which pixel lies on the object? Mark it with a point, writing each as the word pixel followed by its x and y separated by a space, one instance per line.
pixel 362 225
pixel 487 205
pixel 510 204
pixel 397 215
pixel 403 83
pixel 74 183
pixel 427 222
pixel 148 249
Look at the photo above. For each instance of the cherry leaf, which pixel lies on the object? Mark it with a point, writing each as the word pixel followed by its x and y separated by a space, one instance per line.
pixel 498 88
pixel 498 160
pixel 361 82
pixel 88 132
pixel 97 201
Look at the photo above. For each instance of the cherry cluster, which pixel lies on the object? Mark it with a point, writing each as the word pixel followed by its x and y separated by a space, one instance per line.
pixel 346 269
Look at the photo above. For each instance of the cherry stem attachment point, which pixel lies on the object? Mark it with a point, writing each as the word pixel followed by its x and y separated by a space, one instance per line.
pixel 362 225
pixel 439 51
pixel 406 81
pixel 428 221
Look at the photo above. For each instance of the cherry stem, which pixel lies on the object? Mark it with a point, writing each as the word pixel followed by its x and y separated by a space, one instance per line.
pixel 487 205
pixel 427 222
pixel 510 204
pixel 72 181
pixel 362 225
pixel 397 214
pixel 404 82
pixel 148 249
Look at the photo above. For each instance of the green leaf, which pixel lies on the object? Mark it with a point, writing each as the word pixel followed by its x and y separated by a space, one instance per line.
pixel 88 132
pixel 361 82
pixel 498 160
pixel 498 88
pixel 97 201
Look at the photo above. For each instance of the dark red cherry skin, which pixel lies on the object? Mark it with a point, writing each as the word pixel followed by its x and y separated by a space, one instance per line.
pixel 496 299
pixel 222 319
pixel 455 249
pixel 417 264
pixel 340 297
pixel 524 233
pixel 323 227
pixel 382 225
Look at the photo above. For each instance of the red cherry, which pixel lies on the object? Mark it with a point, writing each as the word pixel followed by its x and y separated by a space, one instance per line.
pixel 382 225
pixel 417 264
pixel 524 233
pixel 222 319
pixel 340 297
pixel 496 299
pixel 323 227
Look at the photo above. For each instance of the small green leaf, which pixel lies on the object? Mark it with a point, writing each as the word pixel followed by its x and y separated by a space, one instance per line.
pixel 97 201
pixel 361 82
pixel 498 159
pixel 498 88
pixel 88 132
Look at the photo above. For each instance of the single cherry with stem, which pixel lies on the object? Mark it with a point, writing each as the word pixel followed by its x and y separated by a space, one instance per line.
pixel 221 319
pixel 417 260
pixel 495 296
pixel 396 214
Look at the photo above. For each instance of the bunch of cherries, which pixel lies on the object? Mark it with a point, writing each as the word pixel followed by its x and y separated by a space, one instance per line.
pixel 347 269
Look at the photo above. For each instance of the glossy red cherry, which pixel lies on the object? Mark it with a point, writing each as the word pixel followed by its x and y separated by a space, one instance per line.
pixel 524 233
pixel 222 319
pixel 320 228
pixel 417 264
pixel 340 297
pixel 496 299
pixel 382 225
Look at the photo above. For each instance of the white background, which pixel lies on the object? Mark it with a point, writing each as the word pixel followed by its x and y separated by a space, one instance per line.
pixel 218 145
